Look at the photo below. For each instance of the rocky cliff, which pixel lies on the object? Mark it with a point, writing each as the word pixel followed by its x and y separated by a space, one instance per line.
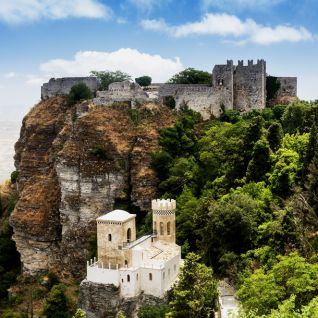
pixel 74 168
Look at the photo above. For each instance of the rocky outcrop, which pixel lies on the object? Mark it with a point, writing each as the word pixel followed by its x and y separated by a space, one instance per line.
pixel 72 170
pixel 104 301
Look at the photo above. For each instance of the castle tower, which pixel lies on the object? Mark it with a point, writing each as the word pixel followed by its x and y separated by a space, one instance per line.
pixel 164 220
pixel 114 231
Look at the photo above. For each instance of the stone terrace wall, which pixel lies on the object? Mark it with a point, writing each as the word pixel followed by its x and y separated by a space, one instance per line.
pixel 62 86
pixel 288 86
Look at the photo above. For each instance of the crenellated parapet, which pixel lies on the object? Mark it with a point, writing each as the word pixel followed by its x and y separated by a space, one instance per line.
pixel 163 205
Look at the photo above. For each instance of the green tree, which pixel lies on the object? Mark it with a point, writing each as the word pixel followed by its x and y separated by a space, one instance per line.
pixel 264 290
pixel 195 293
pixel 260 163
pixel 108 77
pixel 79 92
pixel 158 311
pixel 143 80
pixel 56 303
pixel 275 135
pixel 191 76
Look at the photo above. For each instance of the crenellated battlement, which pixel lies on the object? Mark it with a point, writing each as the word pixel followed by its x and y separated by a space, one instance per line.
pixel 163 205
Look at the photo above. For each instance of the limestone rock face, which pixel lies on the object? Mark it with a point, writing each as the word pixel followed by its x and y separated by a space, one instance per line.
pixel 71 172
pixel 104 301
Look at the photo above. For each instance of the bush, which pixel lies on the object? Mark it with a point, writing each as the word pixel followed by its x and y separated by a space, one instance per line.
pixel 14 176
pixel 143 80
pixel 79 92
pixel 158 311
pixel 170 102
pixel 99 152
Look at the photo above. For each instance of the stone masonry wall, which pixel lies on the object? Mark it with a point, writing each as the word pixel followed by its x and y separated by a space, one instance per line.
pixel 62 86
pixel 222 83
pixel 104 301
pixel 249 86
pixel 288 86
pixel 205 100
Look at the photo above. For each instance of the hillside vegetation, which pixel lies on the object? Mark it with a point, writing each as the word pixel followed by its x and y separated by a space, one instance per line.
pixel 246 189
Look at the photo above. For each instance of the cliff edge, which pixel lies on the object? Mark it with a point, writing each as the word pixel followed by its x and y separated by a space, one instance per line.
pixel 74 166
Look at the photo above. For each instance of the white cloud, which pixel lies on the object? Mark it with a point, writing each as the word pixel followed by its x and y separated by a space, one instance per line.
pixel 148 5
pixel 127 60
pixel 240 4
pixel 10 75
pixel 18 11
pixel 226 25
pixel 35 80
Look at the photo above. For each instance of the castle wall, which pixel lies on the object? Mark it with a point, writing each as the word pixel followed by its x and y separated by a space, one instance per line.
pixel 172 89
pixel 249 86
pixel 62 86
pixel 288 86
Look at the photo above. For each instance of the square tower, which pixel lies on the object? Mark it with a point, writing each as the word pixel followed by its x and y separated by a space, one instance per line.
pixel 164 220
pixel 114 230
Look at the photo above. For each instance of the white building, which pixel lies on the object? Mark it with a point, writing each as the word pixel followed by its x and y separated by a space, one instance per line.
pixel 149 264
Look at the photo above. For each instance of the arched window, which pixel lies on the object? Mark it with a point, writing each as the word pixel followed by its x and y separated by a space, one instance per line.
pixel 129 235
pixel 168 228
pixel 155 227
pixel 109 237
pixel 126 262
pixel 150 276
pixel 128 278
pixel 161 228
pixel 137 277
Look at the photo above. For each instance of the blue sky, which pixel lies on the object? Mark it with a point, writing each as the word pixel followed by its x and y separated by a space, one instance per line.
pixel 53 38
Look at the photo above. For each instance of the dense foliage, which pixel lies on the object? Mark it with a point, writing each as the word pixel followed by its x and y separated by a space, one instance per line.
pixel 79 92
pixel 195 294
pixel 143 80
pixel 191 76
pixel 108 77
pixel 247 189
pixel 9 257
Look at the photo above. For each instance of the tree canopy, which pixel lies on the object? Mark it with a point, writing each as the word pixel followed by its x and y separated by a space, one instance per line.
pixel 108 77
pixel 191 76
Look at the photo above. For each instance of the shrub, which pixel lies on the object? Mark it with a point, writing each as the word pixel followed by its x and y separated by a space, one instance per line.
pixel 79 92
pixel 14 176
pixel 170 102
pixel 99 152
pixel 143 80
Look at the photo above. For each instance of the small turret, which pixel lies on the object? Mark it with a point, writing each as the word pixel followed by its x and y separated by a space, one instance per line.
pixel 164 220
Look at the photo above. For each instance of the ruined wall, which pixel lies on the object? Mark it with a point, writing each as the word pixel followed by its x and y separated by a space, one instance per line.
pixel 62 86
pixel 121 92
pixel 288 86
pixel 205 100
pixel 249 86
pixel 172 89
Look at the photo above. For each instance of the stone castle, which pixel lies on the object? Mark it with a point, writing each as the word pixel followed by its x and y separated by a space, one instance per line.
pixel 147 265
pixel 234 87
